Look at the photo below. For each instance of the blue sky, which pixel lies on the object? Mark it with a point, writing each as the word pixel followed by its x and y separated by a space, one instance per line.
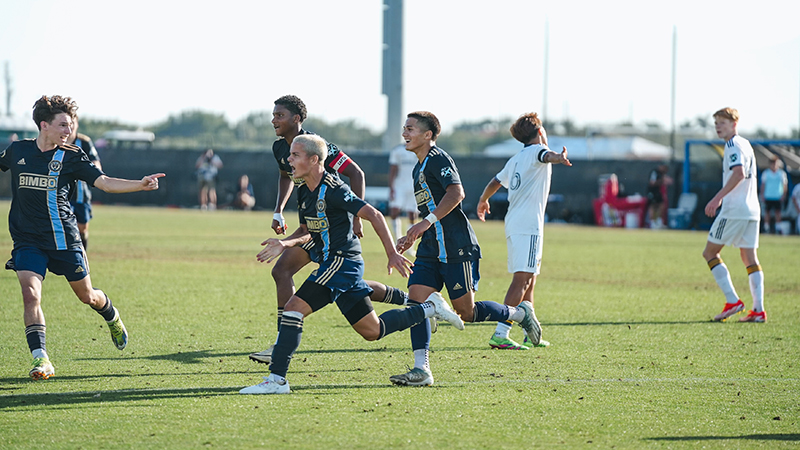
pixel 610 61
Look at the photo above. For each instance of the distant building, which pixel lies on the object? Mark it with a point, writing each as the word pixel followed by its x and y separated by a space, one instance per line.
pixel 23 127
pixel 601 148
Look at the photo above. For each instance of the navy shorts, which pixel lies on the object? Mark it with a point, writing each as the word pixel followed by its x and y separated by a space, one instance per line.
pixel 83 211
pixel 72 264
pixel 459 278
pixel 772 205
pixel 338 280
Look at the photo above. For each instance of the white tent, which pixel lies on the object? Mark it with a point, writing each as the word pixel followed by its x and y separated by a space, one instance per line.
pixel 582 148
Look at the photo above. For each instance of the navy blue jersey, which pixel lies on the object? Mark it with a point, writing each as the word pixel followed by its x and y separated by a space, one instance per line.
pixel 451 239
pixel 328 212
pixel 41 182
pixel 335 162
pixel 82 192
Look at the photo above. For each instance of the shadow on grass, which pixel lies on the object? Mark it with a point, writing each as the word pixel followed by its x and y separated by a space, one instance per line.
pixel 749 437
pixel 24 401
pixel 578 324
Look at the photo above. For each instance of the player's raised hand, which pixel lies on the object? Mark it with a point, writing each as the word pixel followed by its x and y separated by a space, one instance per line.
pixel 273 248
pixel 483 210
pixel 150 182
pixel 279 224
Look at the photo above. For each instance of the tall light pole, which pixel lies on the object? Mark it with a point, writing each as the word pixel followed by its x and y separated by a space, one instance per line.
pixel 546 63
pixel 393 71
pixel 672 138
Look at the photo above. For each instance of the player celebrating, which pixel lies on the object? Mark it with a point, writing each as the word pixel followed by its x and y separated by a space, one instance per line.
pixel 738 221
pixel 81 199
pixel 327 206
pixel 288 116
pixel 448 252
pixel 44 230
pixel 527 177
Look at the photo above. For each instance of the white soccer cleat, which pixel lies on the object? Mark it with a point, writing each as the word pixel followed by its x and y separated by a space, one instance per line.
pixel 531 324
pixel 442 311
pixel 264 356
pixel 268 386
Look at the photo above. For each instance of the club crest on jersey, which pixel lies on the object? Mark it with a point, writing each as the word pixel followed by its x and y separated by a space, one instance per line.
pixel 515 182
pixel 421 178
pixel 734 158
pixel 54 166
pixel 446 172
pixel 321 205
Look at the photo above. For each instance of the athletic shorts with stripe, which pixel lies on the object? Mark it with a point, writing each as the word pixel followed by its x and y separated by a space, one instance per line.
pixel 524 253
pixel 459 278
pixel 741 233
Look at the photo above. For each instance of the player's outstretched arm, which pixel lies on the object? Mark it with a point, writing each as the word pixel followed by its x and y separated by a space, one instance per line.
pixel 558 158
pixel 483 204
pixel 396 260
pixel 120 186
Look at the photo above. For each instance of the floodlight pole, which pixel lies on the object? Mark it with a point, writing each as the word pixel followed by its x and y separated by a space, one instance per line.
pixel 393 72
pixel 672 137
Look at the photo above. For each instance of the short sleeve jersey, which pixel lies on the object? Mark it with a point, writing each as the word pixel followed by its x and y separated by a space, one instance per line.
pixel 774 184
pixel 527 178
pixel 336 161
pixel 451 239
pixel 328 212
pixel 41 183
pixel 742 201
pixel 82 192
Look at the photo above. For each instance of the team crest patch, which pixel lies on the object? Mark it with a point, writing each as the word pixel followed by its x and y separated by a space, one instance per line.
pixel 515 182
pixel 54 166
pixel 734 158
pixel 321 205
pixel 446 172
pixel 421 178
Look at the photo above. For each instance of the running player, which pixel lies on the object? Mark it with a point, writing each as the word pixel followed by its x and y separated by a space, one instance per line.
pixel 288 116
pixel 44 230
pixel 448 252
pixel 327 207
pixel 81 199
pixel 738 221
pixel 527 177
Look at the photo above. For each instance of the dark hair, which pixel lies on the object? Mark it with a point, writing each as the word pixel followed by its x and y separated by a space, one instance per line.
pixel 428 120
pixel 526 127
pixel 294 105
pixel 47 108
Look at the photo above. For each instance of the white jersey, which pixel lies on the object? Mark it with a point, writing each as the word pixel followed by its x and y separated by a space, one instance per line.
pixel 742 201
pixel 527 178
pixel 405 162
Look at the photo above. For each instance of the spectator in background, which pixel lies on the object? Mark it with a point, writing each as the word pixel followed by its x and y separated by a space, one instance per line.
pixel 208 165
pixel 795 203
pixel 657 195
pixel 81 198
pixel 401 188
pixel 774 187
pixel 244 198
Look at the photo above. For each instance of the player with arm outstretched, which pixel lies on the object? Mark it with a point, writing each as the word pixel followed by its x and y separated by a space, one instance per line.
pixel 327 207
pixel 44 172
pixel 527 177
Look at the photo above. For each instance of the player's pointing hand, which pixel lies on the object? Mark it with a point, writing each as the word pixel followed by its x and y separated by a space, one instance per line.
pixel 150 182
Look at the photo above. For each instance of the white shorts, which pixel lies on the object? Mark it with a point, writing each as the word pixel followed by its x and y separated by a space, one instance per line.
pixel 404 198
pixel 741 233
pixel 524 253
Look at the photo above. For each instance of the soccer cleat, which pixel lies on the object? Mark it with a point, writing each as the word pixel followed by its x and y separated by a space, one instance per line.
pixel 752 316
pixel 268 386
pixel 264 357
pixel 528 343
pixel 531 324
pixel 414 377
pixel 731 309
pixel 442 311
pixel 41 369
pixel 505 344
pixel 119 335
pixel 434 324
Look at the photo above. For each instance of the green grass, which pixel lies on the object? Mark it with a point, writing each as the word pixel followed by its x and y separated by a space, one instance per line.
pixel 634 361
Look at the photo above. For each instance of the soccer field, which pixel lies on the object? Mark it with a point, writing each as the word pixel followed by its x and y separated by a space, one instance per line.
pixel 635 361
